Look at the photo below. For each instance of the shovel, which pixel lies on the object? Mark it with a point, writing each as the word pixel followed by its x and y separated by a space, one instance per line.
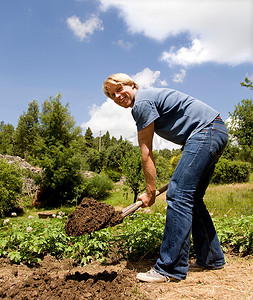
pixel 133 207
pixel 91 215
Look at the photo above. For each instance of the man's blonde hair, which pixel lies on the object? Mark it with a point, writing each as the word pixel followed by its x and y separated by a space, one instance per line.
pixel 118 78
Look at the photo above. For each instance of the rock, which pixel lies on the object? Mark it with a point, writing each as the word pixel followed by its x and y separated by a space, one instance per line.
pixel 29 187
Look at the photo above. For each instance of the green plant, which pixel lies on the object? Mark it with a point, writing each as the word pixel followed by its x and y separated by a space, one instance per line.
pixel 132 169
pixel 113 175
pixel 236 234
pixel 139 236
pixel 98 186
pixel 10 186
pixel 231 171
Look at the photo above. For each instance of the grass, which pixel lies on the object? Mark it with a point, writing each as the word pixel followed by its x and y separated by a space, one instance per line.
pixel 232 200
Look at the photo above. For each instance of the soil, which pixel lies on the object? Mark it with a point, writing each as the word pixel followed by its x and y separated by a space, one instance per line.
pixel 91 215
pixel 55 279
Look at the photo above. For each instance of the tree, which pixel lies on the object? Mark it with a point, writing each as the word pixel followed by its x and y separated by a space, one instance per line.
pixel 164 168
pixel 106 141
pixel 89 139
pixel 27 130
pixel 6 138
pixel 57 151
pixel 247 83
pixel 115 155
pixel 10 186
pixel 93 159
pixel 240 126
pixel 57 125
pixel 132 169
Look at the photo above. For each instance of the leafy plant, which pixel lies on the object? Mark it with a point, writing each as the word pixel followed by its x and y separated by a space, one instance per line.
pixel 10 186
pixel 132 169
pixel 236 234
pixel 98 186
pixel 139 236
pixel 231 171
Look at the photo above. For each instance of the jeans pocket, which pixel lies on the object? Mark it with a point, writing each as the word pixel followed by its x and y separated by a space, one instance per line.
pixel 219 139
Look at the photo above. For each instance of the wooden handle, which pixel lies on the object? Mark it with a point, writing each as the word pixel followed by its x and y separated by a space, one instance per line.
pixel 133 207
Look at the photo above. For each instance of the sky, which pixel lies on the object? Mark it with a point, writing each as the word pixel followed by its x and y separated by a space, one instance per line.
pixel 203 48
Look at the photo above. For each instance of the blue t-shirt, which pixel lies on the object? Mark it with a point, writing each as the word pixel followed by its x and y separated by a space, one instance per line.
pixel 176 116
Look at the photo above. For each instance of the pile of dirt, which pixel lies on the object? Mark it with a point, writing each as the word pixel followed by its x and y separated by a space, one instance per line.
pixel 91 215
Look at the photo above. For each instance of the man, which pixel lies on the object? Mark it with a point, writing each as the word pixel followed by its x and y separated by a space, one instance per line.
pixel 184 120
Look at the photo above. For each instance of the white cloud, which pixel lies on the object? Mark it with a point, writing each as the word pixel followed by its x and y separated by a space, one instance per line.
pixel 125 45
pixel 163 83
pixel 84 30
pixel 179 77
pixel 220 30
pixel 146 78
pixel 196 54
pixel 119 121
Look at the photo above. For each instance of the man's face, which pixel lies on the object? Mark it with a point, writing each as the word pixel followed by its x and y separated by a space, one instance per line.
pixel 123 95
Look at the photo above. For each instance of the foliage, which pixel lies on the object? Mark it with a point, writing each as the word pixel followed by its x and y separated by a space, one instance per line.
pixel 27 130
pixel 236 234
pixel 241 129
pixel 231 171
pixel 89 139
pixel 164 168
pixel 241 122
pixel 113 175
pixel 10 186
pixel 61 176
pixel 247 83
pixel 6 138
pixel 116 153
pixel 105 140
pixel 57 124
pixel 141 236
pixel 93 159
pixel 168 154
pixel 132 170
pixel 97 187
pixel 29 240
pixel 57 151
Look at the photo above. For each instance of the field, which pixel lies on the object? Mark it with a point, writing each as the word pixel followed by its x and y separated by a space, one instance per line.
pixel 61 280
pixel 59 277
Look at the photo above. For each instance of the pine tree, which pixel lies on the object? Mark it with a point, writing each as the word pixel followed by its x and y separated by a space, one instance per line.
pixel 6 138
pixel 27 130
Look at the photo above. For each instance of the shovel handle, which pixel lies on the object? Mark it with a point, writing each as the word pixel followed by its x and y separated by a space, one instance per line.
pixel 133 207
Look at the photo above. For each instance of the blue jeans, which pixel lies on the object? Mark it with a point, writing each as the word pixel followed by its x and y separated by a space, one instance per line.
pixel 186 211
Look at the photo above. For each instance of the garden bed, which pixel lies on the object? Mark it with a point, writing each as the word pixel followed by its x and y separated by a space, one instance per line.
pixel 54 279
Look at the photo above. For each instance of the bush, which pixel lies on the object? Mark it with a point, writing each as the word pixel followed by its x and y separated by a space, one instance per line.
pixel 227 171
pixel 113 175
pixel 61 174
pixel 98 187
pixel 10 186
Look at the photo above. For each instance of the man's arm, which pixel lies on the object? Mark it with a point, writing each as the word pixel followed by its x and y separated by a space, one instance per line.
pixel 145 139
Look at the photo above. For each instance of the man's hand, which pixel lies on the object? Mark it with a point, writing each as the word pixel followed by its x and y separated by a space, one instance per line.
pixel 148 199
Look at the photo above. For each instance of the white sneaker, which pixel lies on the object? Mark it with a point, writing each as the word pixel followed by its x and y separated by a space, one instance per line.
pixel 152 276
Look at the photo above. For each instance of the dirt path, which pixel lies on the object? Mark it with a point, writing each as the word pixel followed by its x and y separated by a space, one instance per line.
pixel 60 280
